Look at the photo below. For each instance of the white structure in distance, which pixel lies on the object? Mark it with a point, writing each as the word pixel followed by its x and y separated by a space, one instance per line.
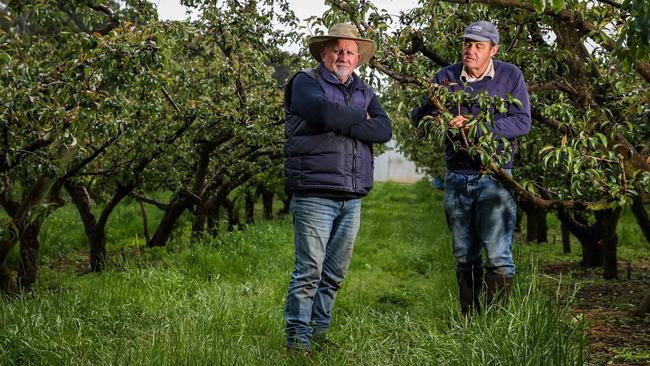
pixel 392 166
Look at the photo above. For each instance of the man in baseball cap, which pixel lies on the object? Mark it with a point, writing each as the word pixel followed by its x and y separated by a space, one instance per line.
pixel 482 31
pixel 480 210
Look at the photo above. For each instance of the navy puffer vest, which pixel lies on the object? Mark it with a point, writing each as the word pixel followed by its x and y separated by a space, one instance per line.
pixel 326 160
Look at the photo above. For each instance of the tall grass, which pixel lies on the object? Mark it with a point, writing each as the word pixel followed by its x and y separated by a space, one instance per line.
pixel 220 301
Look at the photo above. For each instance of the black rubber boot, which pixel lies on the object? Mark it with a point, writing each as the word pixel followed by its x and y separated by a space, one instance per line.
pixel 497 288
pixel 469 286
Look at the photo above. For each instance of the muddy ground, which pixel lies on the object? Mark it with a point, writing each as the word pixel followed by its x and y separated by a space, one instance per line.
pixel 616 336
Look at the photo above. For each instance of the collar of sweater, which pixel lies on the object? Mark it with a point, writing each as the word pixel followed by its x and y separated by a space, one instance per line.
pixel 488 73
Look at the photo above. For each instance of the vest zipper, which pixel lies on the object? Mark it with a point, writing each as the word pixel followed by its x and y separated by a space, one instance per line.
pixel 354 164
pixel 348 98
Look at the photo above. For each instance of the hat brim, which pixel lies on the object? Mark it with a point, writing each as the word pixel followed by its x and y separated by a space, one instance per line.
pixel 366 47
pixel 474 37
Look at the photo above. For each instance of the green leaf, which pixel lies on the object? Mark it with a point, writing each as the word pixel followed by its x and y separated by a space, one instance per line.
pixel 539 5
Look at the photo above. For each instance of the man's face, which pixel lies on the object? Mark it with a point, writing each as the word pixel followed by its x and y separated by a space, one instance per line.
pixel 477 55
pixel 341 57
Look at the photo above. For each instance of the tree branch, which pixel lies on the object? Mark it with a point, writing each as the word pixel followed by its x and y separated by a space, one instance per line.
pixel 22 152
pixel 611 3
pixel 405 79
pixel 417 45
pixel 546 203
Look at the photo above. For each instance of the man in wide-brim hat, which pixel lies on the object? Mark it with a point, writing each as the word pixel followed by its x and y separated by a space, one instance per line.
pixel 332 120
pixel 366 47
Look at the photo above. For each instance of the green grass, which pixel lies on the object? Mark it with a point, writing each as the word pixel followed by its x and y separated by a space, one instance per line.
pixel 220 301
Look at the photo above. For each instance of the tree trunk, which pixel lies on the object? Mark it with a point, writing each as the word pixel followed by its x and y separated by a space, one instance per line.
pixel 592 250
pixel 145 221
pixel 8 284
pixel 644 306
pixel 518 221
pixel 641 216
pixel 7 280
pixel 598 240
pixel 233 218
pixel 566 239
pixel 166 226
pixel 607 221
pixel 250 207
pixel 18 212
pixel 95 235
pixel 286 204
pixel 536 228
pixel 213 220
pixel 267 201
pixel 28 266
pixel 200 218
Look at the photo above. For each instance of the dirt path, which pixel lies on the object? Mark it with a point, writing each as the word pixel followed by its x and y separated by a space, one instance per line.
pixel 615 335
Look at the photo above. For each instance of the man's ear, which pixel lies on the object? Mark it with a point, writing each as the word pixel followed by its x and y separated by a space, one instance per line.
pixel 494 50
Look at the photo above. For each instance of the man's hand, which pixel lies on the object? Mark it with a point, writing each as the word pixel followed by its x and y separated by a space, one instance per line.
pixel 459 122
pixel 368 115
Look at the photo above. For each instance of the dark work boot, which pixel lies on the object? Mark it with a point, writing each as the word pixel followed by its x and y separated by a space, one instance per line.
pixel 497 288
pixel 469 288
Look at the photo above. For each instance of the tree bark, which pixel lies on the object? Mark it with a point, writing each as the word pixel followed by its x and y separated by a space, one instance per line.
pixel 213 220
pixel 145 221
pixel 180 203
pixel 641 216
pixel 96 240
pixel 286 204
pixel 592 251
pixel 566 239
pixel 233 218
pixel 599 241
pixel 200 218
pixel 536 228
pixel 267 202
pixel 8 284
pixel 250 207
pixel 644 306
pixel 28 267
pixel 607 221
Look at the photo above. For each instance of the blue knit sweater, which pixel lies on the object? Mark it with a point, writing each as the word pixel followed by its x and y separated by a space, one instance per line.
pixel 515 122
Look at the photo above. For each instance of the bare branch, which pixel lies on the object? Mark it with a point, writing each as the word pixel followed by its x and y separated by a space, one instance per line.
pixel 417 45
pixel 611 3
pixel 170 100
pixel 404 79
pixel 102 9
pixel 546 203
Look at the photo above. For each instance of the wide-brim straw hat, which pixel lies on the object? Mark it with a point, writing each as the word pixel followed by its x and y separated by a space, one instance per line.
pixel 343 31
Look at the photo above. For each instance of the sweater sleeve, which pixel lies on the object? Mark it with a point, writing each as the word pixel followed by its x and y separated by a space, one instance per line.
pixel 310 102
pixel 516 121
pixel 376 129
pixel 423 109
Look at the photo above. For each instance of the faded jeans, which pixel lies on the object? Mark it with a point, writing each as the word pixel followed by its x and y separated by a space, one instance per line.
pixel 324 234
pixel 481 214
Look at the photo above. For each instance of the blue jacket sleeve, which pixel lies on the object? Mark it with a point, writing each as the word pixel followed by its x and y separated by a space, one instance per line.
pixel 376 129
pixel 310 102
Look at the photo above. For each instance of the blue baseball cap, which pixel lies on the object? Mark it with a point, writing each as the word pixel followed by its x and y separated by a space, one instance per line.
pixel 482 31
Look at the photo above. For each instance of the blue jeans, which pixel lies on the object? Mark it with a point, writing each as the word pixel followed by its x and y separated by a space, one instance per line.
pixel 324 233
pixel 481 213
